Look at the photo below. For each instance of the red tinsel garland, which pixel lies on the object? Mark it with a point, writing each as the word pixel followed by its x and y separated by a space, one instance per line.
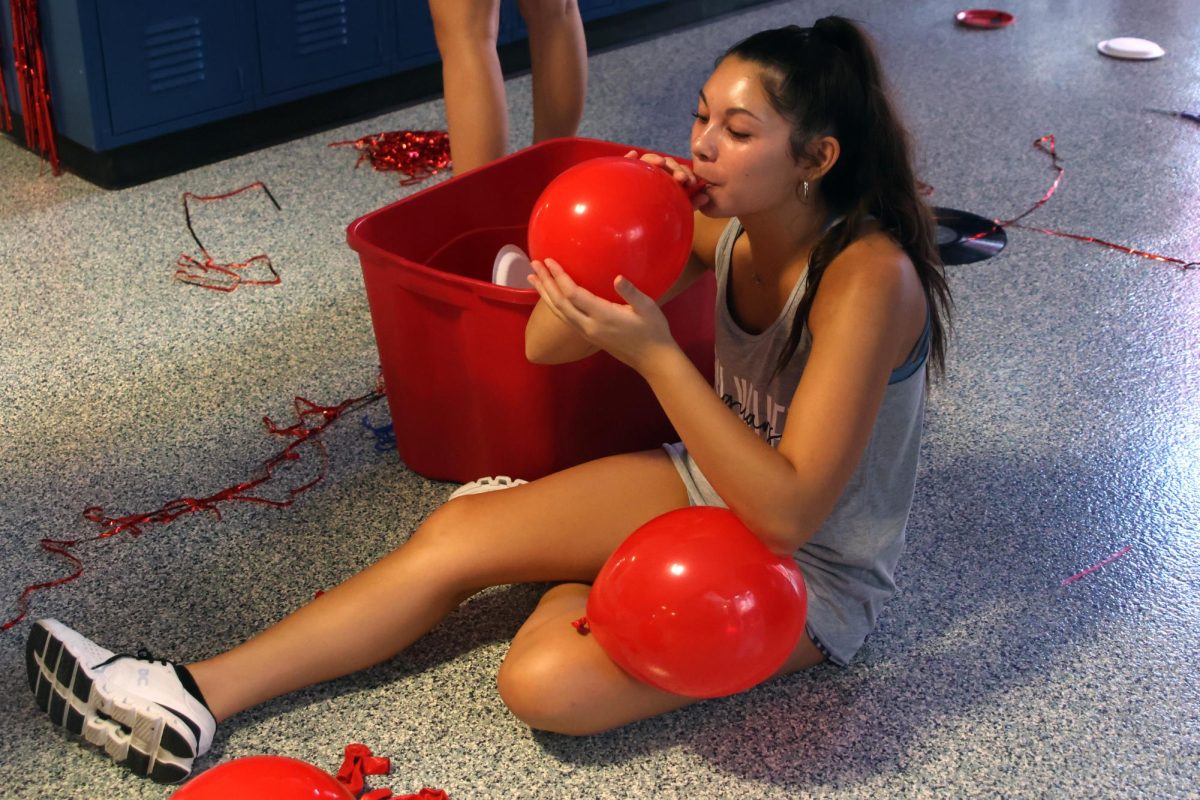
pixel 312 420
pixel 33 87
pixel 417 154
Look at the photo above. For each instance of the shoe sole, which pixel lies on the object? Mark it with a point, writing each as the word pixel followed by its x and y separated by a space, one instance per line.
pixel 133 735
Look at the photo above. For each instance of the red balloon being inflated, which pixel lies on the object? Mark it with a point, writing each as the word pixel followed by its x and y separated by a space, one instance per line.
pixel 695 604
pixel 614 216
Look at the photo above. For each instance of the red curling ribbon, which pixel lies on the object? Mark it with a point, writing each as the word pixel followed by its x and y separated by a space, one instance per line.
pixel 33 86
pixel 1046 144
pixel 417 154
pixel 209 274
pixel 312 421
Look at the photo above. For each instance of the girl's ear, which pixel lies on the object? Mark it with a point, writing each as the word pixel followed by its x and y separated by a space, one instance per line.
pixel 824 153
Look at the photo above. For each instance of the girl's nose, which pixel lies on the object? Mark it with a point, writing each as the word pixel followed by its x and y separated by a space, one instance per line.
pixel 702 144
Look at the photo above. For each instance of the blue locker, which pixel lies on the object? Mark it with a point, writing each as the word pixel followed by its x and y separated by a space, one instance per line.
pixel 169 59
pixel 331 42
pixel 414 26
pixel 6 70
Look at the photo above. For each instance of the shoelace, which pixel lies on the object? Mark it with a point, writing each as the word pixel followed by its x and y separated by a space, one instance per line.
pixel 142 655
pixel 145 655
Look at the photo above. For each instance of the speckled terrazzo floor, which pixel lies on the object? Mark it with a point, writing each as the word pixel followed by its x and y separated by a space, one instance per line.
pixel 1066 429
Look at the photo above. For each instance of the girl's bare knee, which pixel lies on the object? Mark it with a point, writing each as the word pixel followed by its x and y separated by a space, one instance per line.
pixel 446 538
pixel 536 687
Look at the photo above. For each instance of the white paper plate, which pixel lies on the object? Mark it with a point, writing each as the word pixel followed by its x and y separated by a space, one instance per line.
pixel 512 268
pixel 1131 48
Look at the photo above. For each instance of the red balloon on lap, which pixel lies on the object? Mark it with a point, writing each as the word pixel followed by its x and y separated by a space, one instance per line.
pixel 695 604
pixel 264 778
pixel 614 216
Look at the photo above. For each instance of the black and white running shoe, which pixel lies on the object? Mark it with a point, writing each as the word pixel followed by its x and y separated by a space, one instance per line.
pixel 136 708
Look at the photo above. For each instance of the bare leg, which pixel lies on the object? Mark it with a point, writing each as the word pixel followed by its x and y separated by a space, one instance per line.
pixel 476 107
pixel 555 680
pixel 558 53
pixel 562 527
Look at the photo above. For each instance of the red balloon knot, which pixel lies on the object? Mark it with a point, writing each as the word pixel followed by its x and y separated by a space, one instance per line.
pixel 581 626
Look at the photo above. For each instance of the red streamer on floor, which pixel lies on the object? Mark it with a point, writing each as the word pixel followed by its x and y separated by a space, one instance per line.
pixel 1084 573
pixel 359 762
pixel 208 273
pixel 33 87
pixel 1046 144
pixel 417 154
pixel 311 421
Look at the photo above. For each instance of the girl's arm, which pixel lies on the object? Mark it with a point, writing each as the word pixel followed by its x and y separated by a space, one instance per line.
pixel 867 313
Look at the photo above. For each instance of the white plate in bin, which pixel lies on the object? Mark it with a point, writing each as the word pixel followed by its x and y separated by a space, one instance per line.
pixel 512 268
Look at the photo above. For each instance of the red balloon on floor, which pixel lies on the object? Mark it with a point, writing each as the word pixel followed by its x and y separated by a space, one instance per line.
pixel 614 216
pixel 264 778
pixel 695 604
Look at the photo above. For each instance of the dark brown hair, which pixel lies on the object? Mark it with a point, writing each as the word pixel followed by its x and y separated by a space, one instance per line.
pixel 826 80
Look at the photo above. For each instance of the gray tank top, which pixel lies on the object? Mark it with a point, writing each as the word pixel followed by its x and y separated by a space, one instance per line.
pixel 849 563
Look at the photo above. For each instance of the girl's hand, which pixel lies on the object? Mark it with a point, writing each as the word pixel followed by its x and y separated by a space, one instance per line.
pixel 680 172
pixel 636 334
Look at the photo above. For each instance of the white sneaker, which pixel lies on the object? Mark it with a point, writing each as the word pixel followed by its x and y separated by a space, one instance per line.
pixel 135 707
pixel 486 485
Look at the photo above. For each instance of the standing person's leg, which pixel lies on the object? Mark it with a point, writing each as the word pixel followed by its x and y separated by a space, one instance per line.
pixel 562 527
pixel 476 107
pixel 558 54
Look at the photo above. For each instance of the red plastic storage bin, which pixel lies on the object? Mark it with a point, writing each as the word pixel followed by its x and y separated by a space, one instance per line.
pixel 464 400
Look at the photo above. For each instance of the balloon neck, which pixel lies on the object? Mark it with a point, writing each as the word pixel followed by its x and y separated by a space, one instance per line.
pixel 696 188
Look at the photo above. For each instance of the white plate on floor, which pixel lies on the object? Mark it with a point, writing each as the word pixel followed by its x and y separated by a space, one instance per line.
pixel 1129 47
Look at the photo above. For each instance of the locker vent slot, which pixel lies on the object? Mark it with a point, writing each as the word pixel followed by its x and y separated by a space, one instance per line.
pixel 320 25
pixel 174 52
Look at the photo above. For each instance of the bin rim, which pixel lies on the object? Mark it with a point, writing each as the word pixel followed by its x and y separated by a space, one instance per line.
pixel 486 289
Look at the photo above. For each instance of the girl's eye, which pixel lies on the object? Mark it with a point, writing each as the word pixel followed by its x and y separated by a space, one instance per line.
pixel 741 137
pixel 702 118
